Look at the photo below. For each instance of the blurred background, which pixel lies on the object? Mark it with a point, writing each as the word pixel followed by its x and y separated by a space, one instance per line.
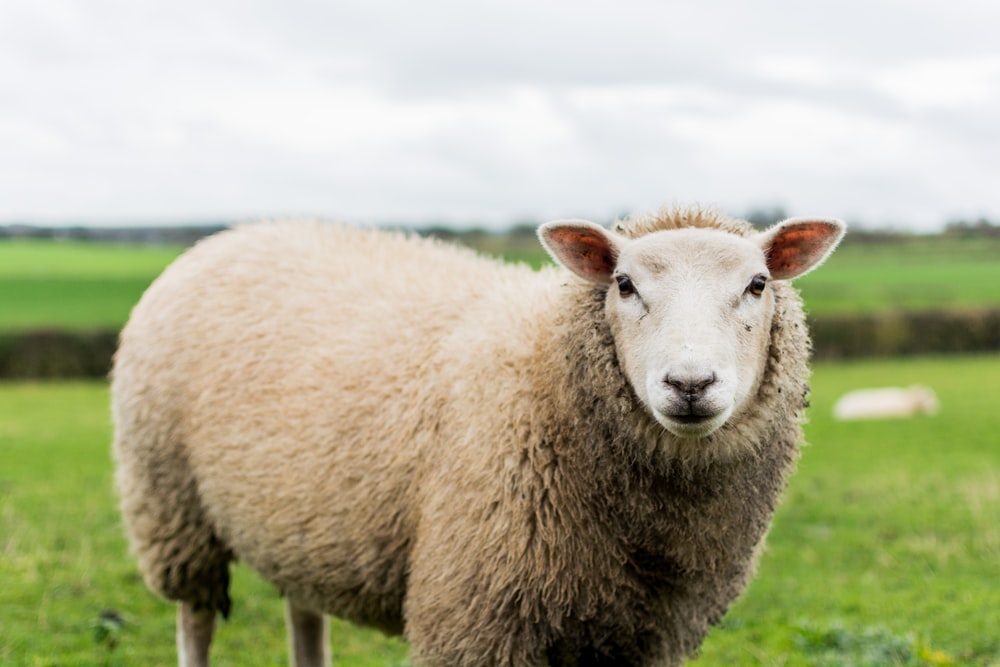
pixel 128 130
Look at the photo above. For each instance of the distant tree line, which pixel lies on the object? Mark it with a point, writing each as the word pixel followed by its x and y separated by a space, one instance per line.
pixel 164 234
pixel 520 233
pixel 979 228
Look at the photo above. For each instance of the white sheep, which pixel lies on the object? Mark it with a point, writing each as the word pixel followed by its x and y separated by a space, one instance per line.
pixel 886 402
pixel 509 467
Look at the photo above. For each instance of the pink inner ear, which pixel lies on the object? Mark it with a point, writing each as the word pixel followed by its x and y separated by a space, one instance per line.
pixel 797 248
pixel 588 252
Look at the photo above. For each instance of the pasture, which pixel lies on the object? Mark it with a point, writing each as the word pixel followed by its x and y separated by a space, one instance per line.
pixel 74 284
pixel 81 285
pixel 885 551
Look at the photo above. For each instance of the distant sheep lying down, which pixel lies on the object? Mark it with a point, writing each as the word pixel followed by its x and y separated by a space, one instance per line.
pixel 885 403
pixel 572 466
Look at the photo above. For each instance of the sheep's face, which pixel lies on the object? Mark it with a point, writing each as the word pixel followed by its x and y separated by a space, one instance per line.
pixel 690 309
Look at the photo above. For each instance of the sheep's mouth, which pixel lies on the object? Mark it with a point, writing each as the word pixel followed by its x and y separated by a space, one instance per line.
pixel 690 419
pixel 690 424
pixel 692 413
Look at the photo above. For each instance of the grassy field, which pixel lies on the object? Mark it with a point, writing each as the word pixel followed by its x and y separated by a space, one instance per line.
pixel 49 283
pixel 886 550
pixel 911 274
pixel 86 285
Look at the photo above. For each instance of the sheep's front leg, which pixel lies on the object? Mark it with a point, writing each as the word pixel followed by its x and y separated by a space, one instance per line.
pixel 194 635
pixel 308 637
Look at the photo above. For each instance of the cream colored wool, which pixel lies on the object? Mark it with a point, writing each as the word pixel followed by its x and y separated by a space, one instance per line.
pixel 409 436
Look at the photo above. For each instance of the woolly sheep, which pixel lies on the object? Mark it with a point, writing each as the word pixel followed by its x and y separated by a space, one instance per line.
pixel 509 467
pixel 886 402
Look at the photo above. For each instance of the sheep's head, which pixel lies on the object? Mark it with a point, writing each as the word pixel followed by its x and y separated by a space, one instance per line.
pixel 690 309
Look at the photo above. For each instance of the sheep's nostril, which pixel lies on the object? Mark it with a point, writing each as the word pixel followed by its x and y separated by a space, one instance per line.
pixel 691 387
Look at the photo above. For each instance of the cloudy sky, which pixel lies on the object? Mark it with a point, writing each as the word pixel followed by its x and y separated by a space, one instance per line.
pixel 114 112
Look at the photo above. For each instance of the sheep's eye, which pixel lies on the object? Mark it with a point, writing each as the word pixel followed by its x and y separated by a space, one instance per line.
pixel 757 285
pixel 625 286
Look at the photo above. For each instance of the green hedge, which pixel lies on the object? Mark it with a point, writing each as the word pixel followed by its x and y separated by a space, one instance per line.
pixel 905 333
pixel 56 354
pixel 76 354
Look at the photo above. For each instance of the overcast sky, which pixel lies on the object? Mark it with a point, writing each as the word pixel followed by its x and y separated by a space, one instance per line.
pixel 123 112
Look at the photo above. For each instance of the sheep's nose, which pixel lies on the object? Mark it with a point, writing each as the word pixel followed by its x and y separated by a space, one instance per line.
pixel 691 387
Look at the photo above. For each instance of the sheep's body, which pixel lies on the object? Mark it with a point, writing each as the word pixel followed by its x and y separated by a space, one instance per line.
pixel 412 437
pixel 886 403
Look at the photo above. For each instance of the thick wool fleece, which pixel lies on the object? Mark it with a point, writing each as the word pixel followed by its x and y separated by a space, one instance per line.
pixel 406 435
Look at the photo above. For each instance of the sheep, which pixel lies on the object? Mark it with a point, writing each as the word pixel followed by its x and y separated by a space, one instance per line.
pixel 886 402
pixel 570 466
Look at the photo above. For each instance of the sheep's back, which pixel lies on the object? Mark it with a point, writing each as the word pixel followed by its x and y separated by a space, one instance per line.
pixel 297 368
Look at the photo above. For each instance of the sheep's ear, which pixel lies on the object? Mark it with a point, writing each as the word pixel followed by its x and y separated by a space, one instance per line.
pixel 585 248
pixel 798 245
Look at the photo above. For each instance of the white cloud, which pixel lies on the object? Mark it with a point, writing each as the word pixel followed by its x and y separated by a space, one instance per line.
pixel 494 111
pixel 953 83
pixel 787 133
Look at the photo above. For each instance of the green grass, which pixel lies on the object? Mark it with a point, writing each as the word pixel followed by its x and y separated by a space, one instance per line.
pixel 889 529
pixel 885 551
pixel 74 284
pixel 74 303
pixel 54 259
pixel 909 274
pixel 91 285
